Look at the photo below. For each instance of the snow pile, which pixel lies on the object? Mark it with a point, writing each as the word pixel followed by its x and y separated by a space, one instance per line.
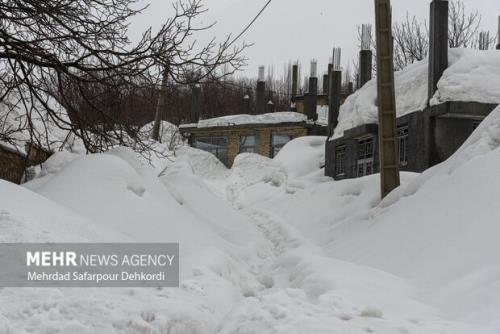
pixel 302 156
pixel 472 76
pixel 361 107
pixel 115 197
pixel 270 118
pixel 169 134
pixel 439 230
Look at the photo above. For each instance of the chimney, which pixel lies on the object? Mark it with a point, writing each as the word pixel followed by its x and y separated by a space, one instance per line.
pixel 438 43
pixel 334 94
pixel 365 55
pixel 261 92
pixel 311 99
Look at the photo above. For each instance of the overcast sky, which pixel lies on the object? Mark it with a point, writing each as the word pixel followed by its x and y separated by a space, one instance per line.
pixel 300 29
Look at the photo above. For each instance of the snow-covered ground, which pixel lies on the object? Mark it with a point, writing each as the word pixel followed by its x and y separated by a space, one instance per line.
pixel 269 246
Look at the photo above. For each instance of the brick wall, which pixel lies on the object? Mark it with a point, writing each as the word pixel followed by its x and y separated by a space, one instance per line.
pixel 264 136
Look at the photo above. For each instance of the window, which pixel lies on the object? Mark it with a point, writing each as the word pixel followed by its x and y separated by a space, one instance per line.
pixel 248 144
pixel 475 124
pixel 340 155
pixel 215 145
pixel 365 156
pixel 278 141
pixel 403 145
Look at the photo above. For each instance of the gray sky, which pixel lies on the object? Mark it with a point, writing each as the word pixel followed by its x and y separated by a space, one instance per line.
pixel 299 29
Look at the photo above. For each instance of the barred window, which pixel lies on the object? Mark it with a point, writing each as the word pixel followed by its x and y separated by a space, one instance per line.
pixel 365 156
pixel 403 133
pixel 278 141
pixel 248 144
pixel 340 156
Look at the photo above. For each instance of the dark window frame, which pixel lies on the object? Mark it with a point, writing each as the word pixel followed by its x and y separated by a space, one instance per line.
pixel 366 154
pixel 244 148
pixel 340 160
pixel 275 148
pixel 403 137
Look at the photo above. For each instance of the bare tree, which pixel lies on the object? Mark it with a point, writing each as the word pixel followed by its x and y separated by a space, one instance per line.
pixel 54 47
pixel 463 26
pixel 411 42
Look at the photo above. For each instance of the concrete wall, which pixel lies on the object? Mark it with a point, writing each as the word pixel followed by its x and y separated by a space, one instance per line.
pixel 433 136
pixel 264 137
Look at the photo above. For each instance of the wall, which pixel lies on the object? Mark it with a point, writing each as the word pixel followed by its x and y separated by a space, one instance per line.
pixel 263 136
pixel 12 165
pixel 434 135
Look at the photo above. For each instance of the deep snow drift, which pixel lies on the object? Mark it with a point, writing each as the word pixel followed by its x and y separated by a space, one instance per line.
pixel 271 245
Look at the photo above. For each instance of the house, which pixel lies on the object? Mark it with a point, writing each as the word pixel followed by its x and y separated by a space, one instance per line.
pixel 429 130
pixel 264 134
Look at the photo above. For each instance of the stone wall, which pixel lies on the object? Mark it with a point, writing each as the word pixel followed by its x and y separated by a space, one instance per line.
pixel 264 137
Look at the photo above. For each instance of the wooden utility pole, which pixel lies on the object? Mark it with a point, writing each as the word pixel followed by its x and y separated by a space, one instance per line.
pixel 387 132
pixel 161 105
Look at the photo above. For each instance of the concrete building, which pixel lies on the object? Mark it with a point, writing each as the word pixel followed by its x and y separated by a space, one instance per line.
pixel 439 103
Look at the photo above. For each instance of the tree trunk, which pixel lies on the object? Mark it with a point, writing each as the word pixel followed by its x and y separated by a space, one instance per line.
pixel 160 107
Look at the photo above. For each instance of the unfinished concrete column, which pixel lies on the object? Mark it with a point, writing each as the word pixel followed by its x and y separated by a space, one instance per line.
pixel 195 103
pixel 295 80
pixel 438 43
pixel 326 79
pixel 365 55
pixel 498 44
pixel 335 86
pixel 311 99
pixel 261 92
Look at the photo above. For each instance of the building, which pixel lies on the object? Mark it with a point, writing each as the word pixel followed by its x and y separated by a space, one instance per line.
pixel 429 130
pixel 265 134
pixel 14 163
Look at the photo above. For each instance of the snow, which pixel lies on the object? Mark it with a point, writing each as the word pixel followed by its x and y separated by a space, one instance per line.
pixel 169 133
pixel 14 124
pixel 270 118
pixel 472 76
pixel 270 245
pixel 303 156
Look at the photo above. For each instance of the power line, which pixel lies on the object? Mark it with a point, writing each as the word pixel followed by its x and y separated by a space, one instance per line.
pixel 250 24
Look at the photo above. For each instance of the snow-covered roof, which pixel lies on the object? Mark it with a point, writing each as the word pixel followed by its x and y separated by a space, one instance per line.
pixel 472 76
pixel 14 125
pixel 233 120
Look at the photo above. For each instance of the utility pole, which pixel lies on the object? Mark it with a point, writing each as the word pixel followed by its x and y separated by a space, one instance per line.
pixel 161 106
pixel 387 132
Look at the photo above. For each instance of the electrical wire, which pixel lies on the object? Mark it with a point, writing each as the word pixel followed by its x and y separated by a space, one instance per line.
pixel 250 24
